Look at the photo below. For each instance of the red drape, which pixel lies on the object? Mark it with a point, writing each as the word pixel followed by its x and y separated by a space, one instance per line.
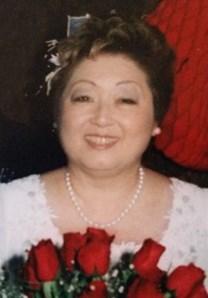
pixel 185 128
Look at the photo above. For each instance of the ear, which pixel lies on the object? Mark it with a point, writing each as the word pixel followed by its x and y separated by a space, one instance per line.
pixel 156 131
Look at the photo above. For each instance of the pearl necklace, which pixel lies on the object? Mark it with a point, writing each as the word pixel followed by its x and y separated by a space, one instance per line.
pixel 116 220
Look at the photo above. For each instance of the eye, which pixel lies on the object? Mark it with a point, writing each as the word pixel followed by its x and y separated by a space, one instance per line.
pixel 129 101
pixel 81 98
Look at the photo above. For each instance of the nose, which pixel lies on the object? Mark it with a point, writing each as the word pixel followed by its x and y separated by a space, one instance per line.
pixel 102 115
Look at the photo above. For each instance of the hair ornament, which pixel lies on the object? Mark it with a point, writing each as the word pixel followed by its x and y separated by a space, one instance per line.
pixel 113 12
pixel 73 24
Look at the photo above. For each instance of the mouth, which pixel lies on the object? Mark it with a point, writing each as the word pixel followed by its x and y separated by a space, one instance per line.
pixel 101 142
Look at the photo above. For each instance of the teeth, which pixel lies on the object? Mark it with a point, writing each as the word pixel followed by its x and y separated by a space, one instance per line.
pixel 100 140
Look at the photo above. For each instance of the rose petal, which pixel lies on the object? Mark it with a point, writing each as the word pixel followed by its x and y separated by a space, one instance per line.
pixel 96 289
pixel 94 258
pixel 184 279
pixel 144 289
pixel 72 243
pixel 46 260
pixel 146 259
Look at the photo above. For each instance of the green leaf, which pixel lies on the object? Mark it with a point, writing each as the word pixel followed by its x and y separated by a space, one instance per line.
pixel 169 295
pixel 49 289
pixel 38 295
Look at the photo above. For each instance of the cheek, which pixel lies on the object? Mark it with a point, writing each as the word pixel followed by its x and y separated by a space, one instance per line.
pixel 69 135
pixel 71 128
pixel 70 119
pixel 66 127
pixel 140 125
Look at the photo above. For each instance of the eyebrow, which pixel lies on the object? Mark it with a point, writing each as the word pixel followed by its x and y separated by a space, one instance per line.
pixel 128 82
pixel 94 84
pixel 83 81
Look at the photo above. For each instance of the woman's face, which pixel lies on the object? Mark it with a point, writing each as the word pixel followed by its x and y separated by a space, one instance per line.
pixel 107 114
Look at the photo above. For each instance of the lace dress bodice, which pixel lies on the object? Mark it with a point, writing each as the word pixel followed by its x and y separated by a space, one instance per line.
pixel 25 219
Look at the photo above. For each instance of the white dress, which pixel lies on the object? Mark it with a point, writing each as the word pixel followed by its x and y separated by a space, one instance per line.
pixel 25 219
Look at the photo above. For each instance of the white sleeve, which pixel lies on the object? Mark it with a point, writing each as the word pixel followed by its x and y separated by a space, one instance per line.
pixel 13 206
pixel 25 217
pixel 186 237
pixel 3 234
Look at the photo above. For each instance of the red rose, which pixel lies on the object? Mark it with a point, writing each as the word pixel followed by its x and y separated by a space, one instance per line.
pixel 96 289
pixel 94 256
pixel 72 243
pixel 185 280
pixel 144 289
pixel 30 274
pixel 98 234
pixel 199 292
pixel 43 262
pixel 146 259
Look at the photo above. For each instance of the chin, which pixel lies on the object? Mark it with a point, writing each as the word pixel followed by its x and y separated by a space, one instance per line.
pixel 101 166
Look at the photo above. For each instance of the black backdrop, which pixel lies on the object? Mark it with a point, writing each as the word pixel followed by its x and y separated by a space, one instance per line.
pixel 27 142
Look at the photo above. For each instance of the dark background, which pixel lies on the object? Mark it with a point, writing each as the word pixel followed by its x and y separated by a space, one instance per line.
pixel 27 141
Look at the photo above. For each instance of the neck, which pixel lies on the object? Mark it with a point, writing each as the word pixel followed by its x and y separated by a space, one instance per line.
pixel 99 204
pixel 97 186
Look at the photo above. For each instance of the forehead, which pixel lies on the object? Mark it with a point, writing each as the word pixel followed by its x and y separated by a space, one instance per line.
pixel 108 67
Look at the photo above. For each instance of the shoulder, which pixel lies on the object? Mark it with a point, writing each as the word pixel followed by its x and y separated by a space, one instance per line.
pixel 20 186
pixel 25 217
pixel 187 187
pixel 190 204
pixel 187 235
pixel 190 194
pixel 17 195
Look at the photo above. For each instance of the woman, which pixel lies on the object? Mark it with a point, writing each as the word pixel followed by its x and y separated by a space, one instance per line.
pixel 110 93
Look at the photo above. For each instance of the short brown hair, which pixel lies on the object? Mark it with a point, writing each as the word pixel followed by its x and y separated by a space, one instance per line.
pixel 136 39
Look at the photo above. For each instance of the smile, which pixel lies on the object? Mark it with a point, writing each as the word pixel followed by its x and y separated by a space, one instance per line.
pixel 101 142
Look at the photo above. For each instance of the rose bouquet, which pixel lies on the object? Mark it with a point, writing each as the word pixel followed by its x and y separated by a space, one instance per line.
pixel 82 268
